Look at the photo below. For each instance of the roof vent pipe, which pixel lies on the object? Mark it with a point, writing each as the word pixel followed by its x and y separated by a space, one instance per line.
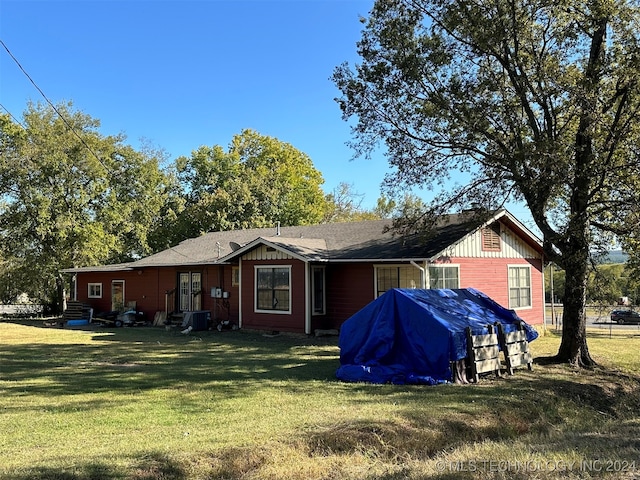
pixel 277 229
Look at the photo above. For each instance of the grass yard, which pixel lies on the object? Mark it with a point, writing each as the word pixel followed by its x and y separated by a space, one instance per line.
pixel 144 403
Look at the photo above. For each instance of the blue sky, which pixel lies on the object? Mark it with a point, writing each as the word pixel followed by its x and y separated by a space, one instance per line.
pixel 181 74
pixel 188 73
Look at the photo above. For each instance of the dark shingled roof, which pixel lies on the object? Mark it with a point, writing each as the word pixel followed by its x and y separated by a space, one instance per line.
pixel 351 241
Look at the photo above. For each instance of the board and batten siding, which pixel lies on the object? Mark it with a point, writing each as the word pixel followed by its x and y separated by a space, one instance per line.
pixel 266 253
pixel 512 246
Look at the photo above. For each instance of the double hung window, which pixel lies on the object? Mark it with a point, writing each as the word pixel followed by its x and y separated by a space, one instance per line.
pixel 273 289
pixel 519 286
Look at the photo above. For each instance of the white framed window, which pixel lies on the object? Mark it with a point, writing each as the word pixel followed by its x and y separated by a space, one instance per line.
pixel 318 300
pixel 273 288
pixel 396 276
pixel 444 276
pixel 95 290
pixel 519 286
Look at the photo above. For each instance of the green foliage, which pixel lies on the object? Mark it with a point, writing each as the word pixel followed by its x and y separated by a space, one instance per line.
pixel 607 284
pixel 344 205
pixel 72 197
pixel 69 197
pixel 257 182
pixel 527 101
pixel 496 91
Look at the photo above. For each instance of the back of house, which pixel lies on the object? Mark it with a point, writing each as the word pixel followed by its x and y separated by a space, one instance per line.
pixel 304 278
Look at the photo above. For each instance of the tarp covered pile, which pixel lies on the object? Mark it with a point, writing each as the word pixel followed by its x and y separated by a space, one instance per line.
pixel 413 335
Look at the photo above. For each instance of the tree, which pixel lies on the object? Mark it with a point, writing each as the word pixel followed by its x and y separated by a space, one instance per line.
pixel 533 101
pixel 70 197
pixel 344 204
pixel 258 182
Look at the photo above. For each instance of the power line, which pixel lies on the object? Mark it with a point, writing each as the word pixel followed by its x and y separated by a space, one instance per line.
pixel 11 115
pixel 69 126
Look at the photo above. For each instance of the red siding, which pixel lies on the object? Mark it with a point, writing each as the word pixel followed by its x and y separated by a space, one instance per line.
pixel 285 322
pixel 349 288
pixel 490 276
pixel 147 287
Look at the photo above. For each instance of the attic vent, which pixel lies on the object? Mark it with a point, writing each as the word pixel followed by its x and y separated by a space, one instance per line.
pixel 491 238
pixel 271 249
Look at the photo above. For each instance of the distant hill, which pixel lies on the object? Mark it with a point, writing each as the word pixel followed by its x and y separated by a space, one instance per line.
pixel 615 256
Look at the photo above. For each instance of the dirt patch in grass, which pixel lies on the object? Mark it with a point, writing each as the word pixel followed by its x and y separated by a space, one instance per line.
pixel 236 462
pixel 605 391
pixel 158 465
pixel 397 441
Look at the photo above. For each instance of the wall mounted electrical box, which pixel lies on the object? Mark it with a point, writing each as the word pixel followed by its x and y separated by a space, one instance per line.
pixel 216 292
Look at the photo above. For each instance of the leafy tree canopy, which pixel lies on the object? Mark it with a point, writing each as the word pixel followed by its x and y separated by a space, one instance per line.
pixel 527 100
pixel 70 197
pixel 256 182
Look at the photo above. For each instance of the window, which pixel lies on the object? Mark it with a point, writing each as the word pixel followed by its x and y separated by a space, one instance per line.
pixel 519 287
pixel 235 276
pixel 491 238
pixel 95 290
pixel 317 290
pixel 444 276
pixel 273 289
pixel 397 276
pixel 189 291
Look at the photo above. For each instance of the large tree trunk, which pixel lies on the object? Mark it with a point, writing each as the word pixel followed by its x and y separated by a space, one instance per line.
pixel 573 348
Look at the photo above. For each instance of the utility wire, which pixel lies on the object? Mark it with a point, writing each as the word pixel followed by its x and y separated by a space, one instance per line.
pixel 11 115
pixel 52 106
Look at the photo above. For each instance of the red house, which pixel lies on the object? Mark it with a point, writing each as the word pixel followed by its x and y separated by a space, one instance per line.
pixel 299 279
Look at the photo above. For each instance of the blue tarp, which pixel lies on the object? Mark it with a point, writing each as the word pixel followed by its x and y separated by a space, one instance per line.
pixel 413 335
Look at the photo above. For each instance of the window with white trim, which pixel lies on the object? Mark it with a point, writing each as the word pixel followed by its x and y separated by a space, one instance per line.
pixel 444 276
pixel 273 289
pixel 95 290
pixel 397 276
pixel 519 286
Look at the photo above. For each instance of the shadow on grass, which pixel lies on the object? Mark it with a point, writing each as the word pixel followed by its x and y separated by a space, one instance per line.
pixel 595 413
pixel 149 466
pixel 130 360
pixel 84 472
pixel 553 408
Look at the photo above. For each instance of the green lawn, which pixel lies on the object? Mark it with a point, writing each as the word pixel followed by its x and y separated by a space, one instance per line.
pixel 144 403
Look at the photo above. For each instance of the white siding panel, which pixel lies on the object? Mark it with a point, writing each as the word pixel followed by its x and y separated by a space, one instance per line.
pixel 264 253
pixel 512 247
